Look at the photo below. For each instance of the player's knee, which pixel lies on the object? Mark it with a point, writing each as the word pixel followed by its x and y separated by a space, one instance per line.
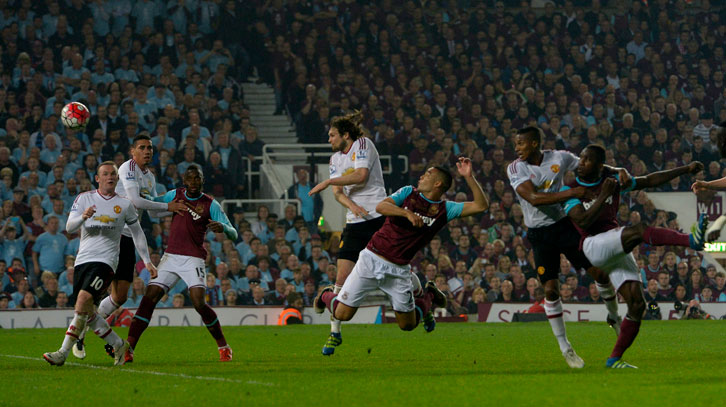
pixel 637 308
pixel 638 228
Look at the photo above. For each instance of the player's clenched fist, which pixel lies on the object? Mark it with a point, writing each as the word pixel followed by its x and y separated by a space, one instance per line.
pixel 414 219
pixel 695 167
pixel 89 212
pixel 152 270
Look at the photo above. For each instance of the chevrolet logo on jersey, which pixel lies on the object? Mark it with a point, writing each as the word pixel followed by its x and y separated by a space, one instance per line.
pixel 104 219
pixel 348 171
pixel 546 185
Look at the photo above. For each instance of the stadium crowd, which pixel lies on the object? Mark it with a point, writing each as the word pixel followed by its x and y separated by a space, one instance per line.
pixel 434 80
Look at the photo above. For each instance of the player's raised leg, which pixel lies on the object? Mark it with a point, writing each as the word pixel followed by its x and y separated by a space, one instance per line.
pixel 209 317
pixel 633 295
pixel 635 235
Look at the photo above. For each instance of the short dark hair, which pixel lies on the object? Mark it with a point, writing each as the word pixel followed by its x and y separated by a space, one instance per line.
pixel 350 124
pixel 141 137
pixel 533 133
pixel 599 152
pixel 197 168
pixel 446 178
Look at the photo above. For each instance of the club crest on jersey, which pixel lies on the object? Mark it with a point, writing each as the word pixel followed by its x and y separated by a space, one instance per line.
pixel 104 219
pixel 117 209
pixel 352 157
pixel 555 168
pixel 433 209
pixel 199 208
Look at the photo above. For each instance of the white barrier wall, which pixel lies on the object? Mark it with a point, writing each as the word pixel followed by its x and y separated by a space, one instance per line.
pixel 583 312
pixel 228 316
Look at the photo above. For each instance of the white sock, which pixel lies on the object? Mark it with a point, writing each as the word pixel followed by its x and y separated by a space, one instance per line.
pixel 334 323
pixel 553 309
pixel 107 307
pixel 607 292
pixel 78 325
pixel 417 289
pixel 101 328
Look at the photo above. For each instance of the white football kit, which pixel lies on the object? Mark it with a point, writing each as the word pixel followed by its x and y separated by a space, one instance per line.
pixel 101 233
pixel 605 251
pixel 362 154
pixel 546 177
pixel 133 184
pixel 372 272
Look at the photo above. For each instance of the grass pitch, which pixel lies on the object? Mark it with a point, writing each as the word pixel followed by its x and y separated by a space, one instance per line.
pixel 681 363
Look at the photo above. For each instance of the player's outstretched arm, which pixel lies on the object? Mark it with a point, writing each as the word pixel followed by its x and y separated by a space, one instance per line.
pixel 344 200
pixel 661 177
pixel 584 218
pixel 359 176
pixel 480 202
pixel 623 175
pixel 527 191
pixel 134 195
pixel 137 234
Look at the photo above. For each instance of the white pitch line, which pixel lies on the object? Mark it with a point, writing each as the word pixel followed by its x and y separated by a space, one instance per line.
pixel 151 372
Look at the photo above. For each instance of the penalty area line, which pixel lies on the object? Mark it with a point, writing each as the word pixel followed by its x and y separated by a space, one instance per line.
pixel 149 372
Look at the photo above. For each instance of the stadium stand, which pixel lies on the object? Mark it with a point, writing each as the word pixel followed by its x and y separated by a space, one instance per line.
pixel 434 79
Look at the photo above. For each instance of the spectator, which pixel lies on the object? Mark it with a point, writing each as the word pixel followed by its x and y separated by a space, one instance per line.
pixel 50 248
pixel 311 207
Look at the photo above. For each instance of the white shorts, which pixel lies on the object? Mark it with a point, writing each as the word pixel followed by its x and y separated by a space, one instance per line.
pixel 372 272
pixel 173 267
pixel 605 251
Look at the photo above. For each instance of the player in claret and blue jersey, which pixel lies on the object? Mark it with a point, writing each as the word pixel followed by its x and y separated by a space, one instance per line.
pixel 184 258
pixel 414 217
pixel 608 246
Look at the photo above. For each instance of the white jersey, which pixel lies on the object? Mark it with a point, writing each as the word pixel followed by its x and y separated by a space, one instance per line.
pixel 362 154
pixel 546 177
pixel 131 179
pixel 101 233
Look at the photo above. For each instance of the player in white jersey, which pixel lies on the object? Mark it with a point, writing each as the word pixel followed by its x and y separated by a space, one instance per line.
pixel 136 181
pixel 101 215
pixel 537 178
pixel 357 181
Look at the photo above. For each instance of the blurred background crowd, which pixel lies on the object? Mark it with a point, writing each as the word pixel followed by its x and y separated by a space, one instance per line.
pixel 434 79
